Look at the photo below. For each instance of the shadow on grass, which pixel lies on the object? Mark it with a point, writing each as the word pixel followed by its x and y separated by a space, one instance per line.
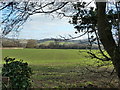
pixel 74 76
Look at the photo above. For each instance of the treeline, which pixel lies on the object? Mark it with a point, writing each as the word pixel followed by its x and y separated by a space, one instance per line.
pixel 52 45
pixel 19 43
pixel 11 43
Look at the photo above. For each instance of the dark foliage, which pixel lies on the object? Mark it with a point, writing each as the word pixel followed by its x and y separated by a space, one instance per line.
pixel 18 72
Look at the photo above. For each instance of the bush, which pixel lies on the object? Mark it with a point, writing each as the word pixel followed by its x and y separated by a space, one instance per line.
pixel 18 72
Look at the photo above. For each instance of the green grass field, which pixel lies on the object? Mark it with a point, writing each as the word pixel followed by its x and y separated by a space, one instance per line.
pixel 55 68
pixel 49 56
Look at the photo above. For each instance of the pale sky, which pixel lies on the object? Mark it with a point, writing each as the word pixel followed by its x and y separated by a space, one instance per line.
pixel 45 26
pixel 41 26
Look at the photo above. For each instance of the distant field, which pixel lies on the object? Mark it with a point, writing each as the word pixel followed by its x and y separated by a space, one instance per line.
pixel 56 68
pixel 49 56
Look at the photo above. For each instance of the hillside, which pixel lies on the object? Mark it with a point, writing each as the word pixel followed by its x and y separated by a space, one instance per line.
pixel 50 43
pixel 83 41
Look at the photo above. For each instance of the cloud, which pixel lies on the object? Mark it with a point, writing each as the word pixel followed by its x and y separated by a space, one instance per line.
pixel 39 22
pixel 40 26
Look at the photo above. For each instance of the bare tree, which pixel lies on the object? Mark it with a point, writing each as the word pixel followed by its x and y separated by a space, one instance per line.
pixel 15 14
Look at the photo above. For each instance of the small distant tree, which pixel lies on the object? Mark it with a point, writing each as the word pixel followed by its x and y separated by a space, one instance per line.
pixel 31 44
pixel 52 45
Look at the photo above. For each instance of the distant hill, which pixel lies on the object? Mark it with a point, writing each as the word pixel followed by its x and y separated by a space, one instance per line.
pixel 47 43
pixel 84 41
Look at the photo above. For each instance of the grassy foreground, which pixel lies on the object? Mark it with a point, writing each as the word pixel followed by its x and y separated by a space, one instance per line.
pixel 56 68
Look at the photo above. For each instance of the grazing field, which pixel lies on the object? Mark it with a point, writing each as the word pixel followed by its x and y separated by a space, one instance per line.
pixel 62 68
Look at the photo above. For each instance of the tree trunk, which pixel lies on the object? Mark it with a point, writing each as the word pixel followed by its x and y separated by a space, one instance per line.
pixel 106 38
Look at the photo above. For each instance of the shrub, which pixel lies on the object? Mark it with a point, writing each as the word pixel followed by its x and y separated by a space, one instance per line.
pixel 18 72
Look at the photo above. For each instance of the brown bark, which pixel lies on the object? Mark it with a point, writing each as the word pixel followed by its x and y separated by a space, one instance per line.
pixel 106 38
